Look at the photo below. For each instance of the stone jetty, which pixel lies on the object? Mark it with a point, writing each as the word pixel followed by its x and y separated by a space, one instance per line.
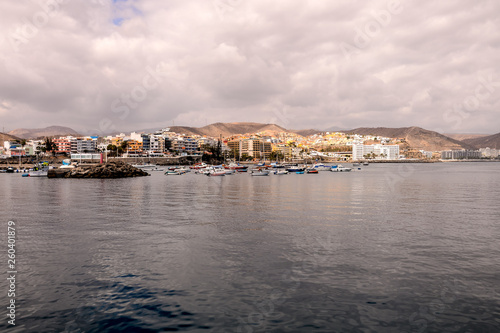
pixel 113 169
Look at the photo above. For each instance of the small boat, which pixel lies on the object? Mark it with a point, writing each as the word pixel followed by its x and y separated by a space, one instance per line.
pixel 340 168
pixel 365 163
pixel 312 171
pixel 299 172
pixel 295 169
pixel 10 170
pixel 234 166
pixel 216 173
pixel 230 172
pixel 260 173
pixel 202 165
pixel 281 172
pixel 321 167
pixel 148 167
pixel 172 172
pixel 356 164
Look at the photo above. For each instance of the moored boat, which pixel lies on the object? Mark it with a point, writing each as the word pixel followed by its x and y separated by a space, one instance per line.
pixel 340 168
pixel 261 173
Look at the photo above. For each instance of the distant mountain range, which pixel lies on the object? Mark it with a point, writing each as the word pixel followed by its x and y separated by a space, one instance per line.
pixel 491 141
pixel 35 133
pixel 416 137
pixel 229 129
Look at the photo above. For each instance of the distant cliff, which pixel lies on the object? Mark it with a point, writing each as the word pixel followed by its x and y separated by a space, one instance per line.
pixel 34 133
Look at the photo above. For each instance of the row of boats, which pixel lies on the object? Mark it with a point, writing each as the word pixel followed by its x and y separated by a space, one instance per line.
pixel 259 170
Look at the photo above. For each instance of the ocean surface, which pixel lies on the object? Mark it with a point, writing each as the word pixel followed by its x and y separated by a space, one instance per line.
pixel 388 248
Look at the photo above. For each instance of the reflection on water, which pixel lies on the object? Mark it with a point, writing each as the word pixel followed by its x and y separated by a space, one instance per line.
pixel 387 248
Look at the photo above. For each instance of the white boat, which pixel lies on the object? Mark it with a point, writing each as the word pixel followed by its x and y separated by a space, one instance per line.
pixel 215 173
pixel 230 172
pixel 148 167
pixel 321 167
pixel 38 173
pixel 173 172
pixel 281 172
pixel 340 168
pixel 261 173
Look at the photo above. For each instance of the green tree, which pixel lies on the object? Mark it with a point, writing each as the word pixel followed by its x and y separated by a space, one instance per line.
pixel 112 149
pixel 50 146
pixel 124 145
pixel 276 155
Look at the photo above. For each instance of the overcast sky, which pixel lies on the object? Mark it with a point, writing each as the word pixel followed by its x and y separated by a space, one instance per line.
pixel 99 65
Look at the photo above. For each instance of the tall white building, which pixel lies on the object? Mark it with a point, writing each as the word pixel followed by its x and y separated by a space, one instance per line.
pixel 384 152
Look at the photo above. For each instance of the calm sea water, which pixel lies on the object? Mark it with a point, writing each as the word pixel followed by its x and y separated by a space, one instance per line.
pixel 390 248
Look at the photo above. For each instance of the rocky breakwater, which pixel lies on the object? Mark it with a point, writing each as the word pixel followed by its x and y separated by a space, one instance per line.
pixel 113 169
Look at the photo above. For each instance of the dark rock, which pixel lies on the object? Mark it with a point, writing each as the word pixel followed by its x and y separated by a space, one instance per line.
pixel 112 169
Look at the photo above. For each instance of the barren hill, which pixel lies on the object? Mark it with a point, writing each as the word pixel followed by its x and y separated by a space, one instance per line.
pixel 306 132
pixel 34 133
pixel 8 137
pixel 416 137
pixel 228 129
pixel 491 141
pixel 462 137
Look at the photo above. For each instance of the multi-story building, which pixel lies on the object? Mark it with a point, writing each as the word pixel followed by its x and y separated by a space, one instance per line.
pixel 463 154
pixel 489 152
pixel 185 145
pixel 83 145
pixel 378 151
pixel 255 148
pixel 63 145
pixel 134 146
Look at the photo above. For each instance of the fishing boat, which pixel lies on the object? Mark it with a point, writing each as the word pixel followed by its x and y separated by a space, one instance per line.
pixel 340 168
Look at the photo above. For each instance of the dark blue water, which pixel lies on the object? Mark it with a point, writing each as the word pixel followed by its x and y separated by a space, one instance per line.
pixel 390 248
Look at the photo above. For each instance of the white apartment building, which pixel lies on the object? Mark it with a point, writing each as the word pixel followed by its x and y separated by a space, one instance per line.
pixel 385 152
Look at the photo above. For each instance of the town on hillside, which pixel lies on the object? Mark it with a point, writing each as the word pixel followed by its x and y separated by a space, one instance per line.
pixel 265 145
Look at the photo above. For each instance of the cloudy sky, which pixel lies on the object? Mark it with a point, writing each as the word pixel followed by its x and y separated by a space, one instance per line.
pixel 101 65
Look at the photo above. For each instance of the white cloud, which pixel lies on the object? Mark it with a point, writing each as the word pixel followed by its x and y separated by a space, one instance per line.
pixel 235 60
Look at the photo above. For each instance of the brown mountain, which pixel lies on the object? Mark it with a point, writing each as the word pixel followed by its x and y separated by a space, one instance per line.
pixel 8 137
pixel 306 132
pixel 464 136
pixel 491 141
pixel 228 129
pixel 34 133
pixel 416 137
